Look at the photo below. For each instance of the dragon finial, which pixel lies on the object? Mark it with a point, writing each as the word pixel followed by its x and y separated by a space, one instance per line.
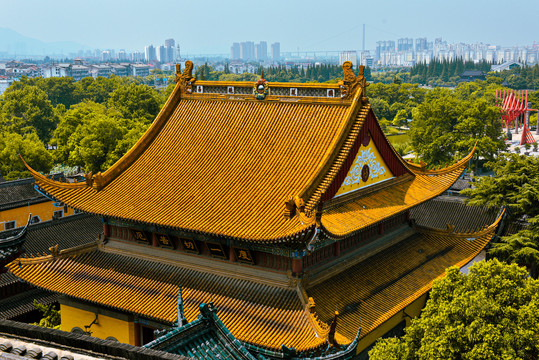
pixel 351 82
pixel 185 78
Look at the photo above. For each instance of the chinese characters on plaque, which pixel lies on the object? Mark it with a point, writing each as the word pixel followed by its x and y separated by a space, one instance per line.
pixel 140 236
pixel 244 255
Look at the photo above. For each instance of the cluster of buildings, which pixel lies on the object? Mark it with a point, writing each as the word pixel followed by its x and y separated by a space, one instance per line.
pixel 163 53
pixel 406 52
pixel 12 70
pixel 249 51
pixel 315 239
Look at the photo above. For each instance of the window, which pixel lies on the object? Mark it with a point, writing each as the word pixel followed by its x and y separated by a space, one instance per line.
pixel 57 214
pixel 10 225
pixel 35 219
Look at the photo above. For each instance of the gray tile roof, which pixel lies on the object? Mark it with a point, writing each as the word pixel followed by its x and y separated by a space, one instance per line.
pixel 443 210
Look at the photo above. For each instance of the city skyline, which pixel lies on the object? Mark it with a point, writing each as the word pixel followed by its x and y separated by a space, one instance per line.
pixel 296 26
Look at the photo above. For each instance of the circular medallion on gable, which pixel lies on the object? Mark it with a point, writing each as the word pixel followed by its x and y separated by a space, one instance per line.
pixel 366 140
pixel 365 172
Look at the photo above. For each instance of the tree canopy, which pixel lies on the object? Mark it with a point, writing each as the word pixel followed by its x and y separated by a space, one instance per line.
pixel 492 313
pixel 28 109
pixel 515 185
pixel 446 127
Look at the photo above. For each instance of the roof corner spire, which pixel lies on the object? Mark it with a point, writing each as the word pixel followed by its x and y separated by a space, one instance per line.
pixel 181 320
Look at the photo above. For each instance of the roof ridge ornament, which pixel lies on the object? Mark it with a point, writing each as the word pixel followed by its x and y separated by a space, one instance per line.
pixel 261 87
pixel 351 82
pixel 185 78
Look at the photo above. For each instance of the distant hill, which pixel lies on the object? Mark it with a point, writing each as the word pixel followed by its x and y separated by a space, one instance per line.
pixel 13 43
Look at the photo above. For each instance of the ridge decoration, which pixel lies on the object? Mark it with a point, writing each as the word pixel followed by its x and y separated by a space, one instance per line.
pixel 185 78
pixel 261 88
pixel 351 82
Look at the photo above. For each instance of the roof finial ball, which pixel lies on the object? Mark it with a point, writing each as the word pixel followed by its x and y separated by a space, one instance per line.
pixel 261 88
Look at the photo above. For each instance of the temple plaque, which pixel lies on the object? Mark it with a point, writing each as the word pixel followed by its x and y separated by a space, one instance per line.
pixel 216 250
pixel 244 256
pixel 189 245
pixel 141 237
pixel 164 241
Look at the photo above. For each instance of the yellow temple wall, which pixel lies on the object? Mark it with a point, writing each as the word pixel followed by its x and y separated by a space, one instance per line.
pixel 44 210
pixel 413 310
pixel 106 326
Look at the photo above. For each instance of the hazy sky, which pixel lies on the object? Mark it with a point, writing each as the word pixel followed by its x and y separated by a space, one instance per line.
pixel 211 26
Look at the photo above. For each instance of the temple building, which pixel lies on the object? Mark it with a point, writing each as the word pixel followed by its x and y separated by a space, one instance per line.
pixel 281 210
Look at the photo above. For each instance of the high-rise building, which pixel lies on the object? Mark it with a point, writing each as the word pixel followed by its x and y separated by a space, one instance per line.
pixel 384 47
pixel 247 50
pixel 170 42
pixel 162 54
pixel 276 51
pixel 122 55
pixel 137 56
pixel 235 51
pixel 261 51
pixel 421 44
pixel 405 44
pixel 348 56
pixel 150 54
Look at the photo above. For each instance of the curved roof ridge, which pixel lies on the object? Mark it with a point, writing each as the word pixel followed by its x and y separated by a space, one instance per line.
pixel 61 254
pixel 450 228
pixel 421 170
pixel 330 165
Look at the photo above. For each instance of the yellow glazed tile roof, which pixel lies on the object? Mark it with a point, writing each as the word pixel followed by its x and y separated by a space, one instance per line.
pixel 345 219
pixel 228 165
pixel 259 314
pixel 383 285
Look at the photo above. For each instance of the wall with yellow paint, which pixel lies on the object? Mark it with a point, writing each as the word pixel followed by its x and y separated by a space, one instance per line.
pixel 367 169
pixel 44 210
pixel 123 331
pixel 413 310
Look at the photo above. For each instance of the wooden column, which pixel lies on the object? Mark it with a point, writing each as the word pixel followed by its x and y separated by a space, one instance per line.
pixel 297 265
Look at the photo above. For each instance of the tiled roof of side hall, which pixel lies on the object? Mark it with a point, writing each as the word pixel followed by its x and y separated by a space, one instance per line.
pixel 23 303
pixel 24 341
pixel 263 315
pixel 230 164
pixel 445 210
pixel 383 285
pixel 18 193
pixel 65 232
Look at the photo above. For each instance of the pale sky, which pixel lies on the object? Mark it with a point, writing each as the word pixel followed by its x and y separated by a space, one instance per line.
pixel 210 26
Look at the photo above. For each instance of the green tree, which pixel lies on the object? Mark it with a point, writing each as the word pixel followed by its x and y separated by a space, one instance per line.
pixel 492 313
pixel 28 108
pixel 136 101
pixel 30 147
pixel 51 316
pixel 446 128
pixel 515 185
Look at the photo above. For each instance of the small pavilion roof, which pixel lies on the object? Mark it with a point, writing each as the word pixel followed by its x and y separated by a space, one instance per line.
pixel 224 160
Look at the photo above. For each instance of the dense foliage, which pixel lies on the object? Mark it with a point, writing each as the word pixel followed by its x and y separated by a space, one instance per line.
pixel 91 123
pixel 492 313
pixel 515 185
pixel 50 315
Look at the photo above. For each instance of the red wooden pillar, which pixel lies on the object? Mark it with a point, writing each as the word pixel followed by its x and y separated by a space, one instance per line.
pixel 381 229
pixel 231 254
pixel 106 230
pixel 337 248
pixel 154 240
pixel 297 265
